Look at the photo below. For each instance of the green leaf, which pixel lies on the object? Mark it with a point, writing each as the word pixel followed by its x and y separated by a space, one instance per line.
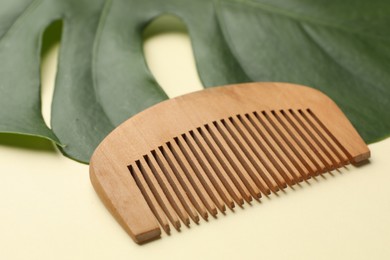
pixel 339 47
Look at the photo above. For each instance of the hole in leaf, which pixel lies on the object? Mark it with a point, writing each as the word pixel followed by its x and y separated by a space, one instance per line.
pixel 169 55
pixel 51 40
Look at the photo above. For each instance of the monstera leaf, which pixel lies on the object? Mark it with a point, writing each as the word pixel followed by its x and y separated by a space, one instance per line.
pixel 339 47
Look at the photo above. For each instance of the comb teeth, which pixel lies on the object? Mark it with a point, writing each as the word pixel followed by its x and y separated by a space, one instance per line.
pixel 212 150
pixel 232 160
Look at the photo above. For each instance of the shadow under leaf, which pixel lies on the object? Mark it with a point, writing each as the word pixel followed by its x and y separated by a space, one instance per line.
pixel 26 142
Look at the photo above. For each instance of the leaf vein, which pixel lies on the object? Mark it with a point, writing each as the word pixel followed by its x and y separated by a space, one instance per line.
pixel 96 46
pixel 304 19
pixel 24 13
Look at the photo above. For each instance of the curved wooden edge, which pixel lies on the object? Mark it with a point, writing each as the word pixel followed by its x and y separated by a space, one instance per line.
pixel 250 97
pixel 120 194
pixel 339 126
pixel 158 124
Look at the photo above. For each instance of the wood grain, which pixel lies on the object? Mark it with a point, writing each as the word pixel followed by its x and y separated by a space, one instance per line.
pixel 212 149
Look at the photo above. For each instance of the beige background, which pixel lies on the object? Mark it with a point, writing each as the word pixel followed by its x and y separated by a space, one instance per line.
pixel 49 210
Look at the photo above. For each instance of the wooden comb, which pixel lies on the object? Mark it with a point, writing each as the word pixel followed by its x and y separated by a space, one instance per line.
pixel 193 155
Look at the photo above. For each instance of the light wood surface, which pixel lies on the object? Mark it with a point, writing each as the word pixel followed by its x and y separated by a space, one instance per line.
pixel 223 144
